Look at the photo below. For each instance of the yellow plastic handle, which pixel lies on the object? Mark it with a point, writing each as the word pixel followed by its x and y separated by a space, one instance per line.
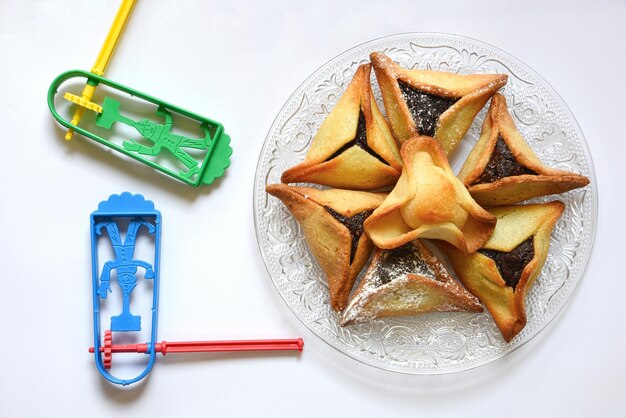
pixel 104 56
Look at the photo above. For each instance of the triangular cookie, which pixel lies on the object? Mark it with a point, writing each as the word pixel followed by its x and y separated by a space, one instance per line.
pixel 407 280
pixel 432 103
pixel 354 148
pixel 502 271
pixel 502 169
pixel 332 222
pixel 429 202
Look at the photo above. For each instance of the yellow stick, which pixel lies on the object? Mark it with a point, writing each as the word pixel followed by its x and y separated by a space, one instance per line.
pixel 104 56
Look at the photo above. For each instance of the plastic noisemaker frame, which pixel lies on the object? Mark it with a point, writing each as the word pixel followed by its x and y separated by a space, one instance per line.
pixel 193 160
pixel 111 217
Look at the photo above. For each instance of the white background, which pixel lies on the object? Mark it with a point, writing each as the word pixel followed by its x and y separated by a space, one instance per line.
pixel 238 62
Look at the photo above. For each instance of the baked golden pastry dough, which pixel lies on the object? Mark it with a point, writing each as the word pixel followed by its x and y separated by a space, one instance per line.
pixel 502 169
pixel 407 280
pixel 354 147
pixel 433 103
pixel 503 270
pixel 429 202
pixel 332 223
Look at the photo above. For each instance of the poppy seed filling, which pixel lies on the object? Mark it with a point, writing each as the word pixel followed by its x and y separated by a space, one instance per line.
pixel 360 140
pixel 426 108
pixel 511 264
pixel 400 262
pixel 354 224
pixel 502 163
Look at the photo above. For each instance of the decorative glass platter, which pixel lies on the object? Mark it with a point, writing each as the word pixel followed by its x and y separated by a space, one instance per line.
pixel 437 342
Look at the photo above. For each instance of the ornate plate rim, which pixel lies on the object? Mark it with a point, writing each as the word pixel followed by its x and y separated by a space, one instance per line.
pixel 575 127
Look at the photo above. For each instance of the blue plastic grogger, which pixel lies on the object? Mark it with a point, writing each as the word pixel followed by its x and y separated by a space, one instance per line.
pixel 140 215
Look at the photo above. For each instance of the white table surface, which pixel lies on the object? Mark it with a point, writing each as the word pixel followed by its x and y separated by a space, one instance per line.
pixel 238 62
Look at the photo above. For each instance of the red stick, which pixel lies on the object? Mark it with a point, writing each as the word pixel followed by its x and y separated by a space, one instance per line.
pixel 210 346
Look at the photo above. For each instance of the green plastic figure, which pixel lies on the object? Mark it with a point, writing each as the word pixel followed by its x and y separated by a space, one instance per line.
pixel 160 135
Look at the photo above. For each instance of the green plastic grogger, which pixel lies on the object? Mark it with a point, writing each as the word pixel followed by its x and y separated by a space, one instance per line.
pixel 212 152
pixel 154 136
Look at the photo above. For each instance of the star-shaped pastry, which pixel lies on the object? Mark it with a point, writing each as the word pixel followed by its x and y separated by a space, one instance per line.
pixel 332 223
pixel 502 271
pixel 502 169
pixel 429 202
pixel 407 280
pixel 432 103
pixel 354 147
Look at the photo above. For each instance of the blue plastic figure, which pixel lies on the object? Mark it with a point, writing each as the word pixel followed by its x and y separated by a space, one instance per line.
pixel 126 268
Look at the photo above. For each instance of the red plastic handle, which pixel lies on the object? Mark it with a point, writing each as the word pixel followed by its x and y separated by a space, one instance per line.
pixel 210 346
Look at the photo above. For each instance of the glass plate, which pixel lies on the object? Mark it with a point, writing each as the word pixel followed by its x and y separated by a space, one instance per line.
pixel 437 342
